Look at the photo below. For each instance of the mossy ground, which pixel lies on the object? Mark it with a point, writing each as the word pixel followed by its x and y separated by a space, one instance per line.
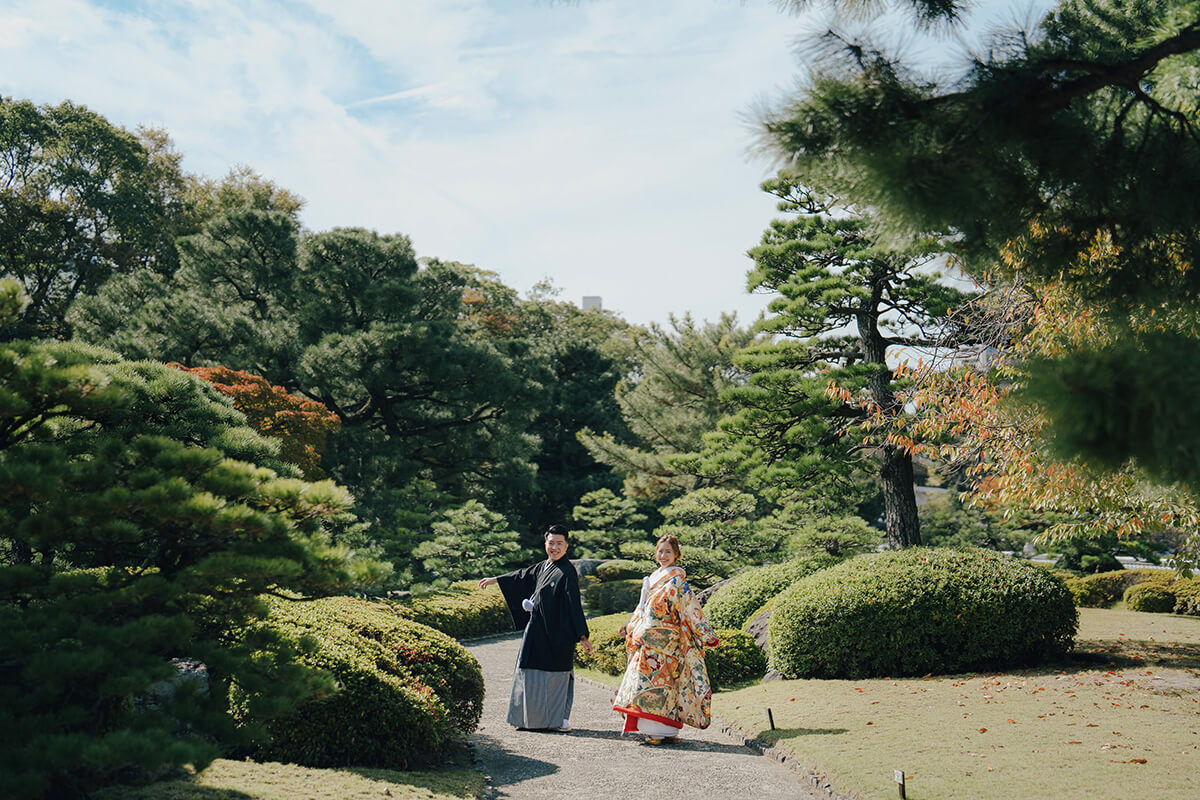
pixel 1121 718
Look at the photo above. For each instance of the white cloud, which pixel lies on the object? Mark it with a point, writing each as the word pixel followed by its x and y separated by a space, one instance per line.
pixel 598 143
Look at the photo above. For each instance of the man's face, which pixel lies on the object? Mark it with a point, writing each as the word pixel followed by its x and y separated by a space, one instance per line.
pixel 556 546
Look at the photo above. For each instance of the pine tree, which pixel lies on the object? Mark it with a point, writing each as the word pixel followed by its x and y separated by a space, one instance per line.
pixel 846 302
pixel 139 524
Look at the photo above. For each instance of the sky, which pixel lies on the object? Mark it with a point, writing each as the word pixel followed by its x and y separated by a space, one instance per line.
pixel 607 145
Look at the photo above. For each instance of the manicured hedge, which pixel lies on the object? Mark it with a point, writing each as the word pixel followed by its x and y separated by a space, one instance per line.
pixel 918 611
pixel 1150 596
pixel 1187 597
pixel 737 658
pixel 463 610
pixel 1105 588
pixel 405 692
pixel 621 569
pixel 732 605
pixel 611 596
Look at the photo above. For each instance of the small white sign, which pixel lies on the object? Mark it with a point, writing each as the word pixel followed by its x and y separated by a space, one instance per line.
pixel 898 776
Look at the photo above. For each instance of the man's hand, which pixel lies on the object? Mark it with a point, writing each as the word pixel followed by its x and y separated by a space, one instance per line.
pixel 486 582
pixel 587 644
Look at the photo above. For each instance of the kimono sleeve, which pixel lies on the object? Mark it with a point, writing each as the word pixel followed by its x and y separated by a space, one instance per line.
pixel 692 617
pixel 516 586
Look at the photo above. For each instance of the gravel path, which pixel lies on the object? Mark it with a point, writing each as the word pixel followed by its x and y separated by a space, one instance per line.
pixel 594 761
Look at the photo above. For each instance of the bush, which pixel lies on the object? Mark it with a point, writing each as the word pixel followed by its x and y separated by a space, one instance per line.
pixel 1187 597
pixel 918 611
pixel 737 658
pixel 461 611
pixel 612 596
pixel 1150 596
pixel 620 569
pixel 1105 588
pixel 731 606
pixel 405 691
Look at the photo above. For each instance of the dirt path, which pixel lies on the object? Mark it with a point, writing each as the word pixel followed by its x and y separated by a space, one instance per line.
pixel 594 761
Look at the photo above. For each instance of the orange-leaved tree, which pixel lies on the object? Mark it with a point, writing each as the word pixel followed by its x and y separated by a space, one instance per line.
pixel 300 424
pixel 976 415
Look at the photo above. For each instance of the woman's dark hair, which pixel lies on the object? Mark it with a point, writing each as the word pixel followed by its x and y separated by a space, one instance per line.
pixel 557 530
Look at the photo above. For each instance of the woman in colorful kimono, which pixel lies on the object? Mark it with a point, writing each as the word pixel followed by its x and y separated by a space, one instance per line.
pixel 666 684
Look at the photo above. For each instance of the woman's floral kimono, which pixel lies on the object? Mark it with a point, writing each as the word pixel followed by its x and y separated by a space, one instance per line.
pixel 666 680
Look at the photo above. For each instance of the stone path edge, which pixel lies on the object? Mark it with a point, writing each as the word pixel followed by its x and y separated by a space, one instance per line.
pixel 803 773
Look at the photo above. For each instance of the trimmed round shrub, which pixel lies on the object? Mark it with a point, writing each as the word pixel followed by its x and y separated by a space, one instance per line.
pixel 1187 597
pixel 405 692
pixel 737 658
pixel 732 605
pixel 1105 588
pixel 919 611
pixel 1150 596
pixel 462 610
pixel 619 570
pixel 609 597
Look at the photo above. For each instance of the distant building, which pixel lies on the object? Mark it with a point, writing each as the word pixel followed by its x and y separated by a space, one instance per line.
pixel 592 301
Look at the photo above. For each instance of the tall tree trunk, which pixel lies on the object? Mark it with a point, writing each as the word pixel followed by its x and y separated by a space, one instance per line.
pixel 900 519
pixel 899 499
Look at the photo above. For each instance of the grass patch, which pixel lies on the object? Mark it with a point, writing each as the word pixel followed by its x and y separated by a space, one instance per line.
pixel 1124 712
pixel 248 780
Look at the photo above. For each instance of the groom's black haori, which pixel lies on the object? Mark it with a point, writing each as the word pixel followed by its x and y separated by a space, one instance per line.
pixel 557 621
pixel 543 689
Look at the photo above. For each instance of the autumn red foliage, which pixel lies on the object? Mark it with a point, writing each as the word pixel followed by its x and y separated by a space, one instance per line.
pixel 300 424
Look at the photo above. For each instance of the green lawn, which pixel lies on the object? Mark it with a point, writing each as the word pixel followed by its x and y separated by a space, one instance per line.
pixel 1122 719
pixel 247 780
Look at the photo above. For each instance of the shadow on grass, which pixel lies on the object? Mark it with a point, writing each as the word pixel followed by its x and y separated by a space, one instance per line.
pixel 780 734
pixel 1135 652
pixel 177 789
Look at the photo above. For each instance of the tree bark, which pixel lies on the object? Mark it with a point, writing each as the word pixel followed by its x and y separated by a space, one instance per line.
pixel 899 499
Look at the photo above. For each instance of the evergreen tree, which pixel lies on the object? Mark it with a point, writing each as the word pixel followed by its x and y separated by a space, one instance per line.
pixel 604 523
pixel 80 201
pixel 669 401
pixel 1075 144
pixel 469 541
pixel 140 522
pixel 846 301
pixel 721 520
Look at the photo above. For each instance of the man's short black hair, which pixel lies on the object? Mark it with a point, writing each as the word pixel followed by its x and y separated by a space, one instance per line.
pixel 557 530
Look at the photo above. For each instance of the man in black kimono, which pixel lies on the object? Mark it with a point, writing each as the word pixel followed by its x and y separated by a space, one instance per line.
pixel 544 600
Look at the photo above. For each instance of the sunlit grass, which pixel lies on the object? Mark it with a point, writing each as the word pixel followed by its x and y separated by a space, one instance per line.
pixel 1122 720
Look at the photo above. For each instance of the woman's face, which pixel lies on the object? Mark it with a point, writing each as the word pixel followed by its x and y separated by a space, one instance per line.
pixel 665 554
pixel 556 546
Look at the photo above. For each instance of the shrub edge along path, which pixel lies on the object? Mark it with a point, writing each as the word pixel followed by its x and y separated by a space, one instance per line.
pixel 594 760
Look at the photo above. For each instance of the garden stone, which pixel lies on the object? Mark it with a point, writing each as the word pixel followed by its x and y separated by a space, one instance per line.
pixel 587 566
pixel 704 594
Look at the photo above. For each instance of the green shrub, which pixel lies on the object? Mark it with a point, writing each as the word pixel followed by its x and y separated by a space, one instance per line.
pixel 737 658
pixel 1105 588
pixel 732 604
pixel 919 611
pixel 612 596
pixel 1187 597
pixel 405 691
pixel 619 570
pixel 461 611
pixel 1150 596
